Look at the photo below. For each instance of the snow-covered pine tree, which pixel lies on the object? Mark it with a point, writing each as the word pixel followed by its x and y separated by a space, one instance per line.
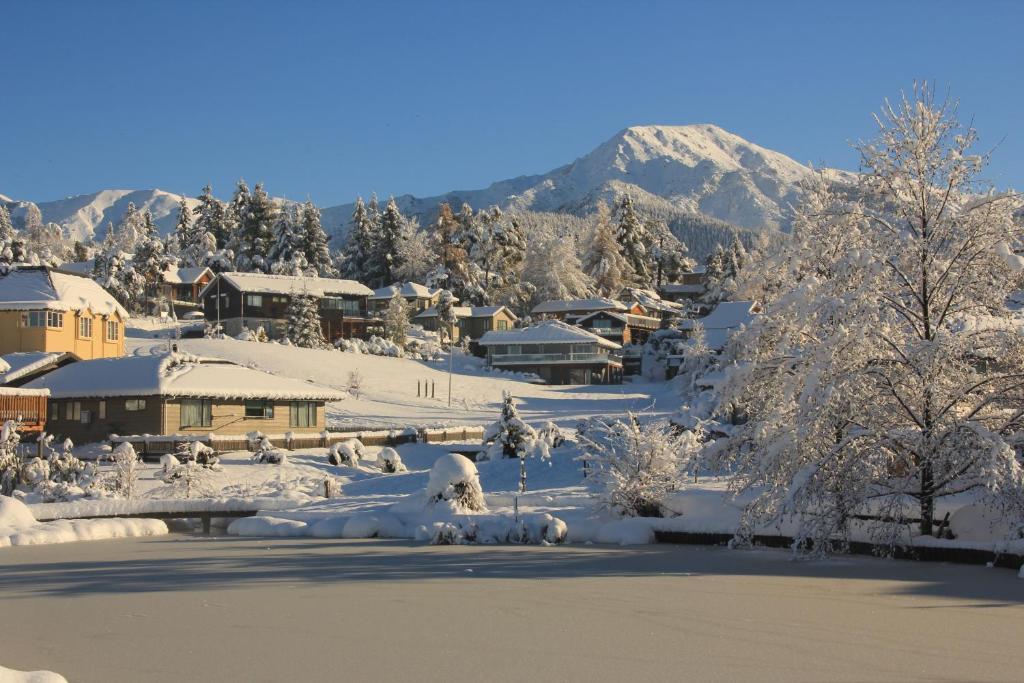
pixel 304 325
pixel 7 236
pixel 254 235
pixel 668 254
pixel 360 246
pixel 287 239
pixel 716 276
pixel 510 437
pixel 314 241
pixel 447 321
pixel 887 368
pixel 633 238
pixel 149 262
pixel 211 220
pixel 604 261
pixel 389 250
pixel 554 270
pixel 130 230
pixel 396 319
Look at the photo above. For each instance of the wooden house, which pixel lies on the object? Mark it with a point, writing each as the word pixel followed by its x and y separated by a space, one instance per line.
pixel 555 351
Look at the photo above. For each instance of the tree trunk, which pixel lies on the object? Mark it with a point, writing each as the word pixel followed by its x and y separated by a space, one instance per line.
pixel 927 499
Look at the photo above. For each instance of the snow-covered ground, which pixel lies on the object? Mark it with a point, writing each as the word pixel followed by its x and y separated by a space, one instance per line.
pixel 19 527
pixel 388 397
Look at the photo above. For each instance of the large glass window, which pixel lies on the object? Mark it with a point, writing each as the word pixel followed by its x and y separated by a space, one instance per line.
pixel 72 410
pixel 43 319
pixel 336 303
pixel 255 300
pixel 113 330
pixel 134 405
pixel 260 410
pixel 302 414
pixel 85 328
pixel 196 412
pixel 54 319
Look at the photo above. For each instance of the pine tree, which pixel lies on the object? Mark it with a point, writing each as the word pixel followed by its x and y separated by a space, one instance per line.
pixel 254 235
pixel 512 438
pixel 716 274
pixel 633 239
pixel 7 236
pixel 130 230
pixel 211 221
pixel 360 246
pixel 396 319
pixel 314 241
pixel 287 240
pixel 554 269
pixel 604 262
pixel 446 318
pixel 149 261
pixel 392 231
pixel 304 325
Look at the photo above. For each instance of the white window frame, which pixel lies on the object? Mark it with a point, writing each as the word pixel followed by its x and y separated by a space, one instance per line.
pixel 85 327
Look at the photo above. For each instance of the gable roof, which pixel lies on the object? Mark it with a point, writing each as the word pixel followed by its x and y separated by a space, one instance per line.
pixel 468 312
pixel 628 318
pixel 25 288
pixel 720 323
pixel 185 276
pixel 409 290
pixel 546 332
pixel 175 375
pixel 16 366
pixel 260 283
pixel 569 305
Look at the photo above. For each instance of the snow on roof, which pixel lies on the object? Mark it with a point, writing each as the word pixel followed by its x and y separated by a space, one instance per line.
pixel 25 363
pixel 546 332
pixel 567 305
pixel 292 284
pixel 80 267
pixel 175 375
pixel 468 312
pixel 727 315
pixel 408 290
pixel 185 276
pixel 628 318
pixel 680 288
pixel 39 287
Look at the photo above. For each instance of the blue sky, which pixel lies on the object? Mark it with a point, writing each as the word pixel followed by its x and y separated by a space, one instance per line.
pixel 331 99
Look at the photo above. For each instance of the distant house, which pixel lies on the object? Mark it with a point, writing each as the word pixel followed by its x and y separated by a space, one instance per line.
pixel 419 297
pixel 691 286
pixel 651 303
pixel 182 286
pixel 18 369
pixel 557 352
pixel 568 309
pixel 621 328
pixel 50 310
pixel 473 321
pixel 255 300
pixel 168 394
pixel 726 318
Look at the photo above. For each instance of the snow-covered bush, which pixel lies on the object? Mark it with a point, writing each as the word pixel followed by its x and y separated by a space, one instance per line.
pixel 10 462
pixel 635 466
pixel 355 383
pixel 257 335
pixel 455 481
pixel 266 454
pixel 374 346
pixel 213 331
pixel 489 529
pixel 65 468
pixel 188 479
pixel 390 461
pixel 127 467
pixel 551 435
pixel 344 454
pixel 509 437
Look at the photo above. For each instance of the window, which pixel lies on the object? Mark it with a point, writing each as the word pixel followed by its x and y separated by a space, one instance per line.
pixel 85 328
pixel 260 410
pixel 254 300
pixel 502 324
pixel 302 414
pixel 54 411
pixel 73 410
pixel 196 412
pixel 134 405
pixel 113 330
pixel 34 319
pixel 55 319
pixel 336 303
pixel 102 410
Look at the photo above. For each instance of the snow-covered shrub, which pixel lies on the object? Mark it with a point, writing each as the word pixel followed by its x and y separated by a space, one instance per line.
pixel 257 335
pixel 10 462
pixel 67 469
pixel 455 481
pixel 188 479
pixel 199 453
pixel 355 383
pixel 635 466
pixel 390 461
pixel 509 437
pixel 374 346
pixel 266 454
pixel 551 435
pixel 127 467
pixel 535 529
pixel 213 331
pixel 343 453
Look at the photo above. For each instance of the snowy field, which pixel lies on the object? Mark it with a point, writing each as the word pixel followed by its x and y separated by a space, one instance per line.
pixel 388 398
pixel 305 609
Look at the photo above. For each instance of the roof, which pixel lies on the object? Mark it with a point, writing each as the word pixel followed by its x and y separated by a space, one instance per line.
pixel 727 317
pixel 185 276
pixel 15 366
pixel 628 318
pixel 175 375
pixel 546 332
pixel 80 267
pixel 569 305
pixel 468 312
pixel 291 284
pixel 39 287
pixel 408 290
pixel 680 288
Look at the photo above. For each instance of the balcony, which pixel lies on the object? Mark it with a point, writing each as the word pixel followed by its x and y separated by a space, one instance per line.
pixel 508 358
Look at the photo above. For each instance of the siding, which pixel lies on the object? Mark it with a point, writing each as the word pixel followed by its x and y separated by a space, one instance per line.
pixel 229 418
pixel 14 337
pixel 118 420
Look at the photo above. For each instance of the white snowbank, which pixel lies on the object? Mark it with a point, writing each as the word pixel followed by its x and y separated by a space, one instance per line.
pixel 19 527
pixel 627 531
pixel 12 676
pixel 268 526
pixel 978 522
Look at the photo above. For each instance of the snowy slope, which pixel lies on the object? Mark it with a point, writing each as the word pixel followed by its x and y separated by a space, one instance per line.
pixel 88 214
pixel 697 168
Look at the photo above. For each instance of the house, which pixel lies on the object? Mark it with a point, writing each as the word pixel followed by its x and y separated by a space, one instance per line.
pixel 25 406
pixel 255 300
pixel 50 310
pixel 18 369
pixel 691 286
pixel 621 328
pixel 719 325
pixel 651 303
pixel 182 286
pixel 419 297
pixel 473 321
pixel 557 352
pixel 177 394
pixel 567 309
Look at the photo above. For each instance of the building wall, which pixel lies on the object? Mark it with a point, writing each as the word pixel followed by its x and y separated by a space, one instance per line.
pixel 228 417
pixel 14 336
pixel 475 328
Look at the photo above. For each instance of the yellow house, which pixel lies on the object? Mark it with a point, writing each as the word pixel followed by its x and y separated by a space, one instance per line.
pixel 51 310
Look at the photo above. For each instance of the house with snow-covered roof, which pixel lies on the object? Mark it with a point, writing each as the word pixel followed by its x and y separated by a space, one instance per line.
pixel 177 394
pixel 419 297
pixel 20 368
pixel 690 286
pixel 568 309
pixel 181 287
pixel 473 321
pixel 50 310
pixel 726 318
pixel 256 300
pixel 557 352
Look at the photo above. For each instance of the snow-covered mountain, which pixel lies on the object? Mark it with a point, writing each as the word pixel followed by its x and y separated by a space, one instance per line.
pixel 85 215
pixel 694 169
